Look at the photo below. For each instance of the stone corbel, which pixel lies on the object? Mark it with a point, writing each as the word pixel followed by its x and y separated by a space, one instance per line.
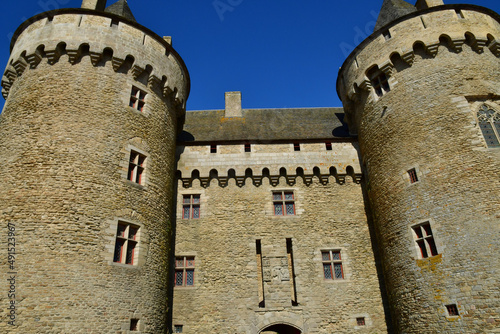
pixel 365 84
pixel 154 82
pixel 457 43
pixel 20 65
pixel 117 63
pixel 432 49
pixel 137 71
pixel 52 56
pixel 95 57
pixel 34 59
pixel 479 44
pixel 387 67
pixel 408 57
pixel 74 56
pixel 495 47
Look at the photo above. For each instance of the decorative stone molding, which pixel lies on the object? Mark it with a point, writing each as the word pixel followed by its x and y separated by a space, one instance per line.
pixel 274 179
pixel 408 57
pixel 387 67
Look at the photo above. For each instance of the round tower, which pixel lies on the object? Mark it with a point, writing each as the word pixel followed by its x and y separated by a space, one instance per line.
pixel 423 95
pixel 94 102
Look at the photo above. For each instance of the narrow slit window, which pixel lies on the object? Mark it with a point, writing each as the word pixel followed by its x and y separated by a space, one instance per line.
pixel 460 14
pixel 296 147
pixel 387 35
pixel 328 146
pixel 425 240
pixel 213 148
pixel 248 148
pixel 137 99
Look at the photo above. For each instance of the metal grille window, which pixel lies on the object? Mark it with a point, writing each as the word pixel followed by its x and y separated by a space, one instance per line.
pixel 178 328
pixel 413 175
pixel 452 310
pixel 126 243
pixel 136 167
pixel 361 321
pixel 425 240
pixel 137 99
pixel 489 122
pixel 332 264
pixel 184 271
pixel 284 203
pixel 191 207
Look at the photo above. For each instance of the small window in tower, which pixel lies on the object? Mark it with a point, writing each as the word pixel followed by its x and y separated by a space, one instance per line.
pixel 387 35
pixel 127 239
pixel 213 148
pixel 459 13
pixel 191 206
pixel 248 147
pixel 489 122
pixel 452 310
pixel 136 167
pixel 184 271
pixel 134 325
pixel 284 203
pixel 328 146
pixel 296 146
pixel 137 99
pixel 178 328
pixel 380 84
pixel 361 321
pixel 412 173
pixel 332 265
pixel 424 238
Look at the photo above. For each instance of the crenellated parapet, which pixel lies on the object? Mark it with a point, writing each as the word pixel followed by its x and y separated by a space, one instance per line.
pixel 393 48
pixel 105 38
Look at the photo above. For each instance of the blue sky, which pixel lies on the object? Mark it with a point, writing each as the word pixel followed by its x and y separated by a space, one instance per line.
pixel 279 53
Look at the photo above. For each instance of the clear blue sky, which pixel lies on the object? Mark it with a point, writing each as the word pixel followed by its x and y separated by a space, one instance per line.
pixel 279 53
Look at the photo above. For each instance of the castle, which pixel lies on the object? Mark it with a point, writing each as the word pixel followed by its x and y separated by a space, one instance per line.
pixel 123 213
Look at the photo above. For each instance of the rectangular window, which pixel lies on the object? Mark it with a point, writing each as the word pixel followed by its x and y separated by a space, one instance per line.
pixel 360 321
pixel 387 35
pixel 190 206
pixel 332 265
pixel 184 271
pixel 136 167
pixel 459 13
pixel 296 146
pixel 248 148
pixel 213 148
pixel 328 146
pixel 452 310
pixel 126 243
pixel 413 175
pixel 425 240
pixel 137 99
pixel 380 84
pixel 177 328
pixel 284 203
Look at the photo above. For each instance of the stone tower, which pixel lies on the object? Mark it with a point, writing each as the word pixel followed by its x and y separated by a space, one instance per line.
pixel 94 102
pixel 422 93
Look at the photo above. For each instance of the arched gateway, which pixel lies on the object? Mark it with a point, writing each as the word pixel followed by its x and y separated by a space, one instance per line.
pixel 281 329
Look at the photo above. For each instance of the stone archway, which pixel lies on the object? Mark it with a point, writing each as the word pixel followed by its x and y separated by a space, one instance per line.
pixel 280 329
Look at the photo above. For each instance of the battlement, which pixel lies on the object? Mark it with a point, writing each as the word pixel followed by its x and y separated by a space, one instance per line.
pixel 76 33
pixel 393 47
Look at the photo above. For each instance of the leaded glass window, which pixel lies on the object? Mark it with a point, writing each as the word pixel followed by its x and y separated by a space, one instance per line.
pixel 184 271
pixel 191 207
pixel 332 265
pixel 284 203
pixel 489 122
pixel 126 243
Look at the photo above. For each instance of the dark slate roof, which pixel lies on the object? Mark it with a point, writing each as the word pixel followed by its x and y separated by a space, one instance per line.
pixel 392 10
pixel 121 8
pixel 263 125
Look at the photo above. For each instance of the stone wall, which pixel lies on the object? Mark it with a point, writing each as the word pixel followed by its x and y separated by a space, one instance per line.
pixel 427 121
pixel 243 285
pixel 67 132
